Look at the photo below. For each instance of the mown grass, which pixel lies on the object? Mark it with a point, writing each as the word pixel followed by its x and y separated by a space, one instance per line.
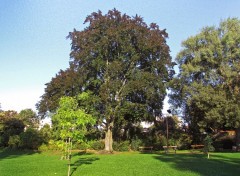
pixel 19 163
pixel 122 164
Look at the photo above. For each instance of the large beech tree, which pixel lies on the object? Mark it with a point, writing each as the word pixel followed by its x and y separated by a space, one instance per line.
pixel 122 61
pixel 207 87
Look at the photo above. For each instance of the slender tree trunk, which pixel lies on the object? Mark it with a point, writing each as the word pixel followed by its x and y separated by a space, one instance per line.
pixel 108 138
pixel 69 155
pixel 238 138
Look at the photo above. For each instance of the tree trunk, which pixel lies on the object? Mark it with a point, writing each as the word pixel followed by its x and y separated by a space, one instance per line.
pixel 69 155
pixel 108 139
pixel 238 139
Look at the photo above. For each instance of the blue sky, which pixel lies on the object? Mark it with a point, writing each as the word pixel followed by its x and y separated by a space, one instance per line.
pixel 33 44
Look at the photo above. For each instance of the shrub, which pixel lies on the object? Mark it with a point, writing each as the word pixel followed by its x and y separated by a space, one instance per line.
pixel 14 142
pixel 55 145
pixel 52 145
pixel 30 139
pixel 46 133
pixel 81 146
pixel 135 144
pixel 43 148
pixel 208 147
pixel 228 143
pixel 124 146
pixel 224 142
pixel 121 146
pixel 162 140
pixel 184 142
pixel 10 127
pixel 97 145
pixel 218 145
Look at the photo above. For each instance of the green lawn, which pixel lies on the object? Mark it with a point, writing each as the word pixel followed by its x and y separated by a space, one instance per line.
pixel 124 164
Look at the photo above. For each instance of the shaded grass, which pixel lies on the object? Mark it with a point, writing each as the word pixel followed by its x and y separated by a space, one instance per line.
pixel 122 164
pixel 220 164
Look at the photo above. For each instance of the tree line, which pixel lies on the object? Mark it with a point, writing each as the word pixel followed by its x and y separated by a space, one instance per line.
pixel 21 130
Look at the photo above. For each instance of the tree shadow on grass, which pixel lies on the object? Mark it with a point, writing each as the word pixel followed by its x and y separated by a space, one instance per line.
pixel 83 158
pixel 10 153
pixel 217 165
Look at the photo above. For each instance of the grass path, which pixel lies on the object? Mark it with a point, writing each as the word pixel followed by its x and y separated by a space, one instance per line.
pixel 124 164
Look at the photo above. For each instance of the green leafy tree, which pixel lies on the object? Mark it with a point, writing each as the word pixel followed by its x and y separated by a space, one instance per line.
pixel 10 125
pixel 72 121
pixel 208 147
pixel 14 142
pixel 16 129
pixel 30 139
pixel 46 133
pixel 29 118
pixel 166 131
pixel 10 128
pixel 124 62
pixel 207 87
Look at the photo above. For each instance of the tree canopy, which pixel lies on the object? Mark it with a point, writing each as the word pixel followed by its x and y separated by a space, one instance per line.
pixel 29 117
pixel 19 130
pixel 122 61
pixel 207 86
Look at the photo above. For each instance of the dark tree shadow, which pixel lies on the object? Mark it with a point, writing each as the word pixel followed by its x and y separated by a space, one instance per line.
pixel 82 158
pixel 217 165
pixel 10 153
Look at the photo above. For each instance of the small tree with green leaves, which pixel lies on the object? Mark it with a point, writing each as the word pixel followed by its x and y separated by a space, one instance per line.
pixel 72 121
pixel 208 147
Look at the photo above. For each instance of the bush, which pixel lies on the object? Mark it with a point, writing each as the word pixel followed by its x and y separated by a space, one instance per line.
pixel 10 127
pixel 225 143
pixel 81 146
pixel 135 144
pixel 43 148
pixel 159 142
pixel 228 143
pixel 121 146
pixel 14 142
pixel 46 133
pixel 97 145
pixel 218 145
pixel 184 142
pixel 30 139
pixel 56 145
pixel 208 147
pixel 52 145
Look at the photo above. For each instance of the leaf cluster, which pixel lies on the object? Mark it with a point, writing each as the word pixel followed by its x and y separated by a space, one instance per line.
pixel 71 120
